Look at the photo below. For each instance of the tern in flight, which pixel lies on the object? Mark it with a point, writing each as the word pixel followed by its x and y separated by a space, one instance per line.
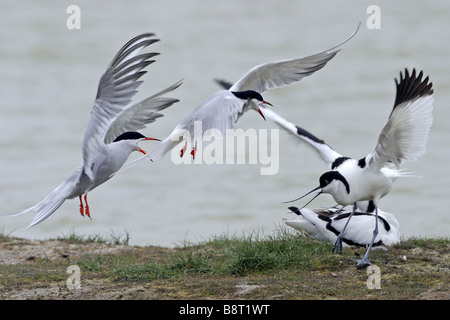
pixel 222 109
pixel 111 134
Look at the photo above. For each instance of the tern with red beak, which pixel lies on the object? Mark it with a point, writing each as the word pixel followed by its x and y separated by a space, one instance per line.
pixel 223 109
pixel 111 134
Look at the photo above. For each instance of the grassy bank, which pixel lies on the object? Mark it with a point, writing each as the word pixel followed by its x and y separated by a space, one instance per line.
pixel 283 265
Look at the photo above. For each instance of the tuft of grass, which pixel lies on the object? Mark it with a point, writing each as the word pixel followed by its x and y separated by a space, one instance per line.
pixel 416 242
pixel 74 238
pixel 142 272
pixel 4 237
pixel 255 253
pixel 282 265
pixel 279 251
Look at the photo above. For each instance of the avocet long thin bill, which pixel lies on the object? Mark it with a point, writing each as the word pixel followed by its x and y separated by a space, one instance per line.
pixel 402 139
pixel 301 197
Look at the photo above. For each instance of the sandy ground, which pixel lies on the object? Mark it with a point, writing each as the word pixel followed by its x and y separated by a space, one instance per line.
pixel 20 253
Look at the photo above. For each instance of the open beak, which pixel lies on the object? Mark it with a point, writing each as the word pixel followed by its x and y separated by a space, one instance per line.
pixel 152 139
pixel 259 109
pixel 143 151
pixel 262 115
pixel 315 189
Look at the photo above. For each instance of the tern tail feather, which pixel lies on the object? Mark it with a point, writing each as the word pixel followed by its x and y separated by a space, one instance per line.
pixel 53 200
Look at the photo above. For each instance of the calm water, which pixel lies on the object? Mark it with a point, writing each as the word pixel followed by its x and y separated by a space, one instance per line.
pixel 49 76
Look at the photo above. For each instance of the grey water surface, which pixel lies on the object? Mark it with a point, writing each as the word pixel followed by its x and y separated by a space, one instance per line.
pixel 48 81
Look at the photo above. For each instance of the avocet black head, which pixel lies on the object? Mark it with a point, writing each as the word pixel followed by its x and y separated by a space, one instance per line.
pixel 131 135
pixel 326 180
pixel 403 138
pixel 249 95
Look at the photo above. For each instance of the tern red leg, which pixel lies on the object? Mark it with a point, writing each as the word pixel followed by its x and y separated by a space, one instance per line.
pixel 183 150
pixel 194 150
pixel 81 206
pixel 87 206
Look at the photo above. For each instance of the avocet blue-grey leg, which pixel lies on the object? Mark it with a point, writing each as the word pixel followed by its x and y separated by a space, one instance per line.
pixel 338 244
pixel 403 138
pixel 364 262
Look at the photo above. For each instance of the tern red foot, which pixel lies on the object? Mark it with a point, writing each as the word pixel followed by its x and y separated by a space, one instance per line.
pixel 81 206
pixel 182 151
pixel 84 209
pixel 194 150
pixel 87 206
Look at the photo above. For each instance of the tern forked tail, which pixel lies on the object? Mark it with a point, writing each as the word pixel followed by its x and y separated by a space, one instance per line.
pixel 111 134
pixel 53 200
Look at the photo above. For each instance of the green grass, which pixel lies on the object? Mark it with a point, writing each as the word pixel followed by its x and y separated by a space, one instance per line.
pixel 113 238
pixel 273 253
pixel 233 256
pixel 285 265
pixel 415 242
pixel 251 254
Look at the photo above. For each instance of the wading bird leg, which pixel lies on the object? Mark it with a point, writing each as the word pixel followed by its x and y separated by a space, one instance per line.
pixel 81 206
pixel 182 151
pixel 194 150
pixel 87 206
pixel 338 244
pixel 364 262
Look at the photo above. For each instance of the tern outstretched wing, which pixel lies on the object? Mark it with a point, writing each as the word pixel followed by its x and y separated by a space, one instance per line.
pixel 284 72
pixel 113 112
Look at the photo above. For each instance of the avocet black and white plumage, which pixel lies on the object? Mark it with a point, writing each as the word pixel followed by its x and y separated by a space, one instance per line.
pixel 328 224
pixel 111 134
pixel 223 109
pixel 402 139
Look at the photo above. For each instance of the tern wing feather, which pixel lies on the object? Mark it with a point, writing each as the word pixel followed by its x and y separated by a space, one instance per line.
pixel 116 88
pixel 212 118
pixel 136 116
pixel 284 72
pixel 218 113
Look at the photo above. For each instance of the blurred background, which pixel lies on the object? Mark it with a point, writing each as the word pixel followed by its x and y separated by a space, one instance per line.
pixel 49 76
